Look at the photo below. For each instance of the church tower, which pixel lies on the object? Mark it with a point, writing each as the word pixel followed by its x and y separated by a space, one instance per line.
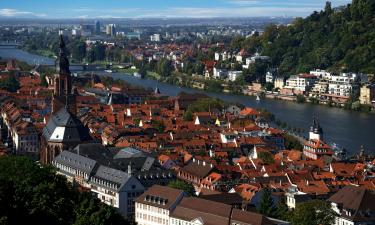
pixel 63 95
pixel 316 132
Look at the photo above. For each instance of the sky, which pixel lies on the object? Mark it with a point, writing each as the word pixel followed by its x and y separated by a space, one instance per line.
pixel 50 9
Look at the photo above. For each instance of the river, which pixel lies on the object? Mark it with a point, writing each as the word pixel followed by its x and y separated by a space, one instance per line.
pixel 346 128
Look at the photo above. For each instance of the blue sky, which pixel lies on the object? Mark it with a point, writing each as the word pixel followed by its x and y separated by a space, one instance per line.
pixel 159 8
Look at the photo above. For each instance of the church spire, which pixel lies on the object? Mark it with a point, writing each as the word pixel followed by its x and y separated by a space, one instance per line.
pixel 63 58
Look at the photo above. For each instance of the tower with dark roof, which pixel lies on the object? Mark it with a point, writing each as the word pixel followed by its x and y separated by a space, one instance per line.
pixel 63 95
pixel 316 131
pixel 63 130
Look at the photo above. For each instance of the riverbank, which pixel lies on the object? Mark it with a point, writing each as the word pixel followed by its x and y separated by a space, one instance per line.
pixel 220 86
pixel 349 129
pixel 213 86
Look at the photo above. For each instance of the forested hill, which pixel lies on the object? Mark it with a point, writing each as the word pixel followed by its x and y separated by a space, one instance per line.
pixel 341 39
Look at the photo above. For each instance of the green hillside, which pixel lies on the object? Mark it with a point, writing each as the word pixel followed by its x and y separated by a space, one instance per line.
pixel 341 39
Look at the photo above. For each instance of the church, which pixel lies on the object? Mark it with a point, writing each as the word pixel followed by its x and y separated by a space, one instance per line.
pixel 64 130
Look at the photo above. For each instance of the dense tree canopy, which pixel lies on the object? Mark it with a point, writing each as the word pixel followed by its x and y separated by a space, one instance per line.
pixel 10 83
pixel 342 39
pixel 316 212
pixel 182 185
pixel 34 194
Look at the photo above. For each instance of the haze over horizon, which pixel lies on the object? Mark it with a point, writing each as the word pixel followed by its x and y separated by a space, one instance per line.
pixel 69 9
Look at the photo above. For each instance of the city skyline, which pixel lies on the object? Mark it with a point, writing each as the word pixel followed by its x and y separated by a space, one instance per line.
pixel 44 9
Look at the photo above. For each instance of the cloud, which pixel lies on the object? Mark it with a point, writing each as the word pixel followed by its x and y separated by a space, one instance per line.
pixel 18 13
pixel 194 12
pixel 244 2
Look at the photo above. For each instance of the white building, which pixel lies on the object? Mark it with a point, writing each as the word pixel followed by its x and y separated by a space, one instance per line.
pixel 76 32
pixel 270 77
pixel 113 187
pixel 155 205
pixel 279 82
pixel 220 73
pixel 110 29
pixel 255 58
pixel 233 75
pixel 302 82
pixel 198 211
pixel 239 58
pixel 321 74
pixel 354 206
pixel 20 130
pixel 217 56
pixel 320 87
pixel 342 85
pixel 63 32
pixel 155 38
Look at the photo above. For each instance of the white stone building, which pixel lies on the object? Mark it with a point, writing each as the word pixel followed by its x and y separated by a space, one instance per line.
pixel 113 187
pixel 342 85
pixel 155 205
pixel 354 206
pixel 233 75
pixel 302 82
pixel 220 73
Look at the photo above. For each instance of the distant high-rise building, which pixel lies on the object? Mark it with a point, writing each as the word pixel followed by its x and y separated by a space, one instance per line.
pixel 155 38
pixel 111 29
pixel 63 32
pixel 97 27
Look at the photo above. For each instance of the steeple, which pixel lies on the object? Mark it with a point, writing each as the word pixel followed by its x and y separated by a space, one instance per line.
pixel 316 132
pixel 63 97
pixel 63 61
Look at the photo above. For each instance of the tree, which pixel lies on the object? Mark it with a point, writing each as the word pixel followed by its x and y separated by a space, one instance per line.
pixel 301 98
pixel 143 71
pixel 34 194
pixel 266 205
pixel 291 142
pixel 188 115
pixel 182 185
pixel 266 157
pixel 78 50
pixel 43 81
pixel 269 86
pixel 282 211
pixel 158 125
pixel 164 67
pixel 10 84
pixel 316 212
pixel 199 68
pixel 330 39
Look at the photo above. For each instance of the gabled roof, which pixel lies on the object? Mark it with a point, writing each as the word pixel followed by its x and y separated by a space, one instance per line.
pixel 210 212
pixel 156 192
pixel 358 200
pixel 198 168
pixel 112 175
pixel 248 218
pixel 65 127
pixel 76 161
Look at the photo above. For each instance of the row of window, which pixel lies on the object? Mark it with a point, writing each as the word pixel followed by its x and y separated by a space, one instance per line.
pixel 152 208
pixel 154 219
